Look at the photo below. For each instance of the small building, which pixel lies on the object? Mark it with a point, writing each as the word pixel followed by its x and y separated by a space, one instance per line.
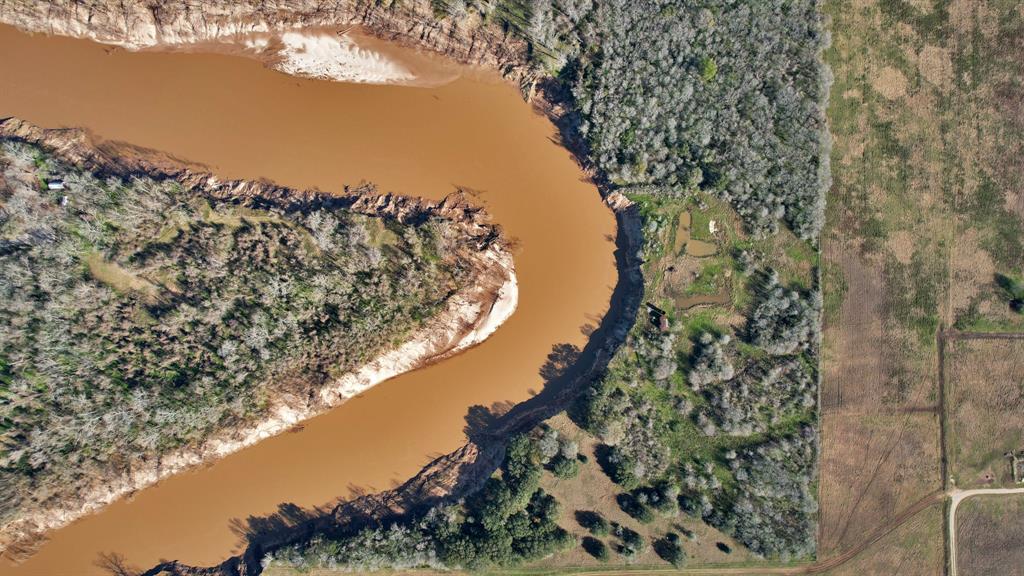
pixel 1017 466
pixel 663 323
pixel 54 184
pixel 658 317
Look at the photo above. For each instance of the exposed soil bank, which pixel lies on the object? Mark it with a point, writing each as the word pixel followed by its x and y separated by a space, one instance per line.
pixel 246 122
pixel 291 35
pixel 469 317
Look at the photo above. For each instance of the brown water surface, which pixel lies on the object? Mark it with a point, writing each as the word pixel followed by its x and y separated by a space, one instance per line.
pixel 695 248
pixel 245 121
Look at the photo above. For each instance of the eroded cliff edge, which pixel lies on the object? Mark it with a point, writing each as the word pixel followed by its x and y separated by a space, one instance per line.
pixel 467 317
pixel 169 23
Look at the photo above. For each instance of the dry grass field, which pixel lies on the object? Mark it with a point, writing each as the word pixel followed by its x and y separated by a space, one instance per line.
pixel 878 454
pixel 593 491
pixel 984 402
pixel 926 115
pixel 990 536
pixel 913 549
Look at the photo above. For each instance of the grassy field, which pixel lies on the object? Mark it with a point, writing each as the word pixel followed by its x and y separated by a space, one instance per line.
pixel 593 491
pixel 990 536
pixel 879 356
pixel 924 213
pixel 985 400
pixel 913 549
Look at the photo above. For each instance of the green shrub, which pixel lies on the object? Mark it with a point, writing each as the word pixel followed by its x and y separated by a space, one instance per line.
pixel 1013 290
pixel 594 522
pixel 637 509
pixel 565 468
pixel 670 549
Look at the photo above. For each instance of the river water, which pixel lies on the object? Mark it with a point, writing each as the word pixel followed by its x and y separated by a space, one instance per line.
pixel 246 121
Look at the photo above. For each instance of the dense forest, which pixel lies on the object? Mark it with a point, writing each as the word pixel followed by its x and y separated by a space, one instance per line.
pixel 141 316
pixel 724 98
pixel 722 94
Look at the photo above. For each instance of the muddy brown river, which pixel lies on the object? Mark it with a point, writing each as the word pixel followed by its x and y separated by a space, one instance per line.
pixel 246 121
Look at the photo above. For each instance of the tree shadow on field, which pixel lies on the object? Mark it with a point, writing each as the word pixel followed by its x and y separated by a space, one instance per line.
pixel 668 551
pixel 594 547
pixel 603 455
pixel 1013 290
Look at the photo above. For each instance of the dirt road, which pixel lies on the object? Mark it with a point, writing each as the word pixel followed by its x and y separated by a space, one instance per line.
pixel 957 496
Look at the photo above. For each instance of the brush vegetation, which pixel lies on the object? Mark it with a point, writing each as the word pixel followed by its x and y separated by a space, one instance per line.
pixel 140 316
pixel 509 521
pixel 710 407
